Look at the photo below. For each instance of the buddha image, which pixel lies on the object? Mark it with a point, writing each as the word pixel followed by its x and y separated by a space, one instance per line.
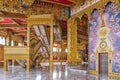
pixel 109 14
pixel 109 8
pixel 94 23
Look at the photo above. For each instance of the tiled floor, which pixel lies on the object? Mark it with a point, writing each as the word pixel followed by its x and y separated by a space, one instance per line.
pixel 59 73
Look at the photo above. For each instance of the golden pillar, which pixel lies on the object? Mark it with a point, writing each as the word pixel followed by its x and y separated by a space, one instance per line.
pixel 73 58
pixel 51 48
pixel 61 51
pixel 28 44
pixel 10 37
pixel 5 64
pixel 28 35
pixel 63 54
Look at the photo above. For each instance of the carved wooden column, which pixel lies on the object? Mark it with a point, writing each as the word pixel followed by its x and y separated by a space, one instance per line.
pixel 61 46
pixel 51 48
pixel 10 37
pixel 58 52
pixel 69 39
pixel 28 44
pixel 28 35
pixel 5 64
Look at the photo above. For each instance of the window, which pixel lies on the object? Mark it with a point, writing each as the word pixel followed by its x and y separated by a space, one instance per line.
pixel 54 49
pixel 2 40
pixel 66 50
pixel 12 43
pixel 19 44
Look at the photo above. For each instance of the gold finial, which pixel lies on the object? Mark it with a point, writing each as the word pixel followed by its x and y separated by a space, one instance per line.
pixel 103 23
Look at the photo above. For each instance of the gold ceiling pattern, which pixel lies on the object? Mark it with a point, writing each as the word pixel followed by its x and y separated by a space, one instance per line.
pixel 43 7
pixel 34 7
pixel 83 5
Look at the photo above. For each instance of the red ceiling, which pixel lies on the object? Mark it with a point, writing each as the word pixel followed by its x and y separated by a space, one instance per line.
pixel 6 21
pixel 16 29
pixel 10 21
pixel 21 20
pixel 65 2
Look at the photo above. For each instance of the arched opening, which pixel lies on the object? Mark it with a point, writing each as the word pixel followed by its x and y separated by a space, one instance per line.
pixel 82 38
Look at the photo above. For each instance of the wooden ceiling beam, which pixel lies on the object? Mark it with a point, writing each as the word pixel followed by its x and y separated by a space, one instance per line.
pixel 13 25
pixel 12 15
pixel 21 32
pixel 18 23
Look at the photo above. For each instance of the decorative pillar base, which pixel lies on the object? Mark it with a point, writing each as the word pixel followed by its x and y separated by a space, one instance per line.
pixel 51 66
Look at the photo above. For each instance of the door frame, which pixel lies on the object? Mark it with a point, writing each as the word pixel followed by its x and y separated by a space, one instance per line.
pixel 109 61
pixel 99 61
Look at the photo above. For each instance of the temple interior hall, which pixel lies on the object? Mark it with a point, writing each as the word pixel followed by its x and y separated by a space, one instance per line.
pixel 59 39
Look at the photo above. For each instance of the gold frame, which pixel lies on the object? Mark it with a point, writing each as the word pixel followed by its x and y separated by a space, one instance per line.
pixel 43 19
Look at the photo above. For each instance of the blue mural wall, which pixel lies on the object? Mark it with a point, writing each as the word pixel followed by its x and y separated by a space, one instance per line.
pixel 112 21
pixel 111 17
pixel 94 26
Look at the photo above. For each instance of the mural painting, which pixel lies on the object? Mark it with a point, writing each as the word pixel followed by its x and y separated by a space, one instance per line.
pixel 94 25
pixel 111 18
pixel 112 22
pixel 116 63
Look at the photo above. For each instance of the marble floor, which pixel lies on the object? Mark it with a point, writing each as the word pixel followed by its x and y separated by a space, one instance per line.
pixel 59 73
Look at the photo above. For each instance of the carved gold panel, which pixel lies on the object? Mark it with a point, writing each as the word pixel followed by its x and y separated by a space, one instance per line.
pixel 44 19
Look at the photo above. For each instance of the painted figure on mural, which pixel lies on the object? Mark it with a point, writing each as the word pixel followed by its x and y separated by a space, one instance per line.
pixel 112 22
pixel 111 17
pixel 116 63
pixel 94 25
pixel 94 21
pixel 116 43
pixel 117 21
pixel 108 16
pixel 92 63
pixel 91 45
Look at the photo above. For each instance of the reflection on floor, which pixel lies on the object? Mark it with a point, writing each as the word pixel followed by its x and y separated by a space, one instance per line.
pixel 59 73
